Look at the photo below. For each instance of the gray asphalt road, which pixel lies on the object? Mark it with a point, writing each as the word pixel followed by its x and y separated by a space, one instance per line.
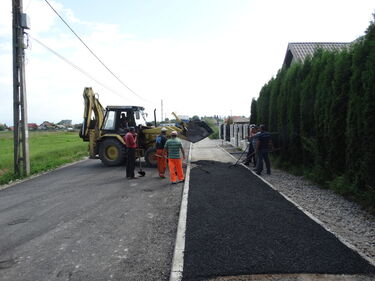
pixel 87 222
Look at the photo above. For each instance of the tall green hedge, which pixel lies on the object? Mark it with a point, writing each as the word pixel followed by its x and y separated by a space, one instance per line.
pixel 324 113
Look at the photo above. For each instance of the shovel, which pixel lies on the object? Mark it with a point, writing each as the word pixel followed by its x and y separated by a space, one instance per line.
pixel 141 173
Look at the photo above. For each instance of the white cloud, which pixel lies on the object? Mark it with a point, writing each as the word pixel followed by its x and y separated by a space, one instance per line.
pixel 6 19
pixel 42 18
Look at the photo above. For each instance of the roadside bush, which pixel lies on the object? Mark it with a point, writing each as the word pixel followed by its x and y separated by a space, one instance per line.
pixel 324 112
pixel 212 123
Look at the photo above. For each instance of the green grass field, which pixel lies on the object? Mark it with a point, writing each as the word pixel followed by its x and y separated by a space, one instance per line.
pixel 48 150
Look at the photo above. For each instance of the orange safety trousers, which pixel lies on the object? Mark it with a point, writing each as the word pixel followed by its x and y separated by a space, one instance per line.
pixel 162 162
pixel 175 165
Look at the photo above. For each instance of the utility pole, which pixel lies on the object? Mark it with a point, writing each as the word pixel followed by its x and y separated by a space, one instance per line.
pixel 21 132
pixel 161 111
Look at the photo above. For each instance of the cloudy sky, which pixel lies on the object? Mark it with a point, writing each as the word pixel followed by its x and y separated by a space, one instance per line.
pixel 201 57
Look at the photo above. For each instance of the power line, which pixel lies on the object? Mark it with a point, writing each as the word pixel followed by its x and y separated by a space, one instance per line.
pixel 75 66
pixel 118 79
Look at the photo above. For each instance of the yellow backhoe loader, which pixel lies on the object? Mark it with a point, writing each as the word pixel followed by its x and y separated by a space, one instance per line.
pixel 104 130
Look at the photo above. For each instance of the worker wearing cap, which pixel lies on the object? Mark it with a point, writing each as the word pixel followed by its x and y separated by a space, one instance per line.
pixel 172 148
pixel 160 143
pixel 131 144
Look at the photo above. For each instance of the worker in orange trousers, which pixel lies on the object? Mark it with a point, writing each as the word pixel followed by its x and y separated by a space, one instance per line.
pixel 172 148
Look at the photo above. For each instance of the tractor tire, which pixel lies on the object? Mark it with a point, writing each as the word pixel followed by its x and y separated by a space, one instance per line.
pixel 112 152
pixel 150 158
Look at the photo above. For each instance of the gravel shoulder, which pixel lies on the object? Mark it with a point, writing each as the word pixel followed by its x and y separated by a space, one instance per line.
pixel 342 217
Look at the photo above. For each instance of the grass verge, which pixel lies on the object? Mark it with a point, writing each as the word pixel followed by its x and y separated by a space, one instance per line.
pixel 48 150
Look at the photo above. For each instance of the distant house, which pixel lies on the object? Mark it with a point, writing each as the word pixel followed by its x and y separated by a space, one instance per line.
pixel 60 127
pixel 66 123
pixel 299 51
pixel 240 120
pixel 47 126
pixel 32 126
pixel 237 120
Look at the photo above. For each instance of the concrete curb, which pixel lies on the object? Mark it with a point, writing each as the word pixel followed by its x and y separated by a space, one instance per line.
pixel 179 248
pixel 3 187
pixel 311 216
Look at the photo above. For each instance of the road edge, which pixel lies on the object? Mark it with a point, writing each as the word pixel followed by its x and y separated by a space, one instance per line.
pixel 5 186
pixel 307 213
pixel 179 248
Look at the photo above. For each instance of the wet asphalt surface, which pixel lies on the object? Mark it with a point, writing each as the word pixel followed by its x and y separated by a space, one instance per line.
pixel 87 222
pixel 236 224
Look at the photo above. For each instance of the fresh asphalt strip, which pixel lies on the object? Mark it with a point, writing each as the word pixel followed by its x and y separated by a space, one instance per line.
pixel 238 225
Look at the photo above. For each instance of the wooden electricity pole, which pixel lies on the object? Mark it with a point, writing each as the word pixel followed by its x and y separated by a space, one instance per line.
pixel 161 111
pixel 21 133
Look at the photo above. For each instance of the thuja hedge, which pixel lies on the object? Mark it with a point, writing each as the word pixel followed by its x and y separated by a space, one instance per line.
pixel 324 113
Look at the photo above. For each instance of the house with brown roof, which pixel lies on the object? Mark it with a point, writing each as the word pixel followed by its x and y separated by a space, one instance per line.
pixel 47 126
pixel 298 51
pixel 32 126
pixel 240 120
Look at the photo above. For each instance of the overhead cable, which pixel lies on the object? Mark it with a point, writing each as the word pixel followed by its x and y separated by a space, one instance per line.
pixel 75 66
pixel 118 79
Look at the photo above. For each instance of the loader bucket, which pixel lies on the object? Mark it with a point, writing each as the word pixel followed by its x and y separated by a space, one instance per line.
pixel 197 130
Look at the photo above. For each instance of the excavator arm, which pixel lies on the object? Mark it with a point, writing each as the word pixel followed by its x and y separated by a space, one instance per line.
pixel 93 118
pixel 93 115
pixel 194 130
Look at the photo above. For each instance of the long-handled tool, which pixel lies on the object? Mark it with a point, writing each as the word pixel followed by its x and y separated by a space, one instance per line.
pixel 193 165
pixel 141 173
pixel 238 160
pixel 236 164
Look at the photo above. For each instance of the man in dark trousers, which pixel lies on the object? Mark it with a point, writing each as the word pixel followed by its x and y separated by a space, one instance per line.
pixel 131 144
pixel 263 141
pixel 160 142
pixel 250 156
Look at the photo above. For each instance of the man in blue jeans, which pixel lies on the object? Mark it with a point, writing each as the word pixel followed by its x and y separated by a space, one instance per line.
pixel 262 149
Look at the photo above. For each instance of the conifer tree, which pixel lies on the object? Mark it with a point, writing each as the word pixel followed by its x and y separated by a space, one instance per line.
pixel 275 89
pixel 336 157
pixel 324 112
pixel 368 80
pixel 253 111
pixel 293 114
pixel 323 98
pixel 355 118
